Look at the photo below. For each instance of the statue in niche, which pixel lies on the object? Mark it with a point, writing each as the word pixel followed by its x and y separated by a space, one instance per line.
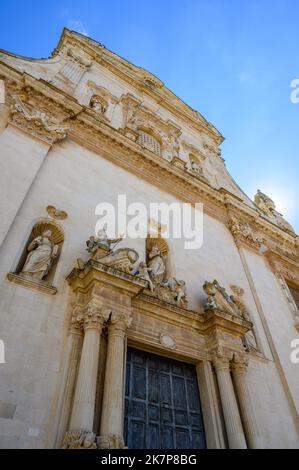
pixel 156 265
pixel 98 104
pixel 196 167
pixel 42 253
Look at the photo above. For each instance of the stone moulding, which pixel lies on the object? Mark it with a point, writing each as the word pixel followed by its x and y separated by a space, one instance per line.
pixel 100 271
pixel 140 79
pixel 226 321
pixel 126 153
pixel 167 305
pixel 40 286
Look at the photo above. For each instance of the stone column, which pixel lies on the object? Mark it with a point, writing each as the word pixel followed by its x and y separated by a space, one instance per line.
pixel 112 412
pixel 239 371
pixel 63 405
pixel 233 424
pixel 81 424
pixel 210 406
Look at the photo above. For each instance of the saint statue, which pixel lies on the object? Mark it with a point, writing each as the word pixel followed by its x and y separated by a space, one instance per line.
pixel 42 252
pixel 156 265
pixel 103 240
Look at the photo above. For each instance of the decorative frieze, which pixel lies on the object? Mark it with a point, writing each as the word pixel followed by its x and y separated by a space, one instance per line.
pixel 243 233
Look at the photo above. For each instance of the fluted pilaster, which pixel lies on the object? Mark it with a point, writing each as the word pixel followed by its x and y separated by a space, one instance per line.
pixel 112 412
pixel 233 424
pixel 92 319
pixel 239 371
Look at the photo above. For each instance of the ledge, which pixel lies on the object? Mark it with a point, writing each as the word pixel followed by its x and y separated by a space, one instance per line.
pixel 165 305
pixel 216 318
pixel 40 286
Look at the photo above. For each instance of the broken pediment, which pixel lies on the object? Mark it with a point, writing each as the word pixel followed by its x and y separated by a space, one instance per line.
pixel 219 299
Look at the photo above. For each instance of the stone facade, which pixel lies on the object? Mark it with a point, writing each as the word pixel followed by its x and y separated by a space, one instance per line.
pixel 82 127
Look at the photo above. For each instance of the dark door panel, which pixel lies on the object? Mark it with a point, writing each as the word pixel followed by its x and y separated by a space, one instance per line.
pixel 162 404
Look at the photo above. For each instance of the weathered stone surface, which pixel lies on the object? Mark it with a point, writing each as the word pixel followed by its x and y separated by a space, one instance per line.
pixel 74 141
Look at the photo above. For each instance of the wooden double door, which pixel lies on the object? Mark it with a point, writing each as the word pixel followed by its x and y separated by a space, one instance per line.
pixel 162 404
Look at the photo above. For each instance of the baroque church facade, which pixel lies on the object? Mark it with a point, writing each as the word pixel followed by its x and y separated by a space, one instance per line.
pixel 134 343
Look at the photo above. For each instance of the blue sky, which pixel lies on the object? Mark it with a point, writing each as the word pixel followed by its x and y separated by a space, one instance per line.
pixel 232 60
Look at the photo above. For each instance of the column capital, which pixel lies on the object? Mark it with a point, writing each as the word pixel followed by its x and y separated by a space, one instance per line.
pixel 221 362
pixel 120 321
pixel 91 316
pixel 239 364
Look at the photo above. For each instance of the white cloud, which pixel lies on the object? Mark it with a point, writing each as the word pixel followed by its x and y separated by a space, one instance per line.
pixel 77 25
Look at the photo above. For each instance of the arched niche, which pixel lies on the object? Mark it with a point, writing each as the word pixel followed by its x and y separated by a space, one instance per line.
pixel 57 239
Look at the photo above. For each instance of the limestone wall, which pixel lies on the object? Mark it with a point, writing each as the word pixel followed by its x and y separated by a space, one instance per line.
pixel 34 326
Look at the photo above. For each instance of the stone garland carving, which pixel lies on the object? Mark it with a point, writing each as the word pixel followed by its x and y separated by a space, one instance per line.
pixel 42 253
pixel 268 208
pixel 36 122
pixel 79 440
pixel 243 232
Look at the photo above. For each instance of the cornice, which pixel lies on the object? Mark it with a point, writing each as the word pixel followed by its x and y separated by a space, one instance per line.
pixel 111 144
pixel 141 79
pixel 283 265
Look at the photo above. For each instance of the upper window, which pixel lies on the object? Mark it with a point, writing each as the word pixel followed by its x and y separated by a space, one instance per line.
pixel 149 142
